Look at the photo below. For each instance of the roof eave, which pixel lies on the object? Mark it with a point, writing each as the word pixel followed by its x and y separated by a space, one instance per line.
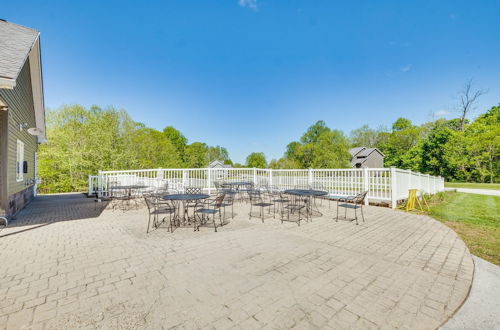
pixel 7 83
pixel 37 88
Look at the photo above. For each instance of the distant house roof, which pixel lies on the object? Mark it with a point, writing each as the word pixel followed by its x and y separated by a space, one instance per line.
pixel 363 151
pixel 354 151
pixel 17 45
pixel 359 155
pixel 218 163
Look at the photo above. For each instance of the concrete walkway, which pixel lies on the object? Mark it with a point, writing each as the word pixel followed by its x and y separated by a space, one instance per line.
pixel 490 192
pixel 482 309
pixel 81 267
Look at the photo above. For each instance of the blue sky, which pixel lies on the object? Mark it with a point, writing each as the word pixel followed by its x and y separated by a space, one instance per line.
pixel 253 75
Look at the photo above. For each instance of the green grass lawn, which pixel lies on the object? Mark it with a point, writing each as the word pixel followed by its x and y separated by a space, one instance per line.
pixel 475 218
pixel 495 186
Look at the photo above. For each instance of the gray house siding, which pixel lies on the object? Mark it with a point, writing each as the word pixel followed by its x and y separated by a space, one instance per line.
pixel 366 157
pixel 374 160
pixel 20 110
pixel 3 162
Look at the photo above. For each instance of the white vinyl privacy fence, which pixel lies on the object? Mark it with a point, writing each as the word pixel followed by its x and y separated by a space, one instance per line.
pixel 383 184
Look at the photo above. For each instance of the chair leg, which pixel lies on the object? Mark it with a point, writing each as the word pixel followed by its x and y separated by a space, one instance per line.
pixel 337 211
pixel 362 215
pixel 213 219
pixel 149 220
pixel 356 213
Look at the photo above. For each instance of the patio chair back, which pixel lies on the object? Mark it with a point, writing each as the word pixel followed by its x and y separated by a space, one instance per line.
pixel 192 190
pixel 360 198
pixel 162 187
pixel 149 202
pixel 218 200
pixel 255 196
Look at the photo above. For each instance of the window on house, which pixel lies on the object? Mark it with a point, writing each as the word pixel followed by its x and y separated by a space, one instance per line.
pixel 19 161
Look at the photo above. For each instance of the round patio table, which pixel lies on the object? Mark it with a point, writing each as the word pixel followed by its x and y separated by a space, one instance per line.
pixel 237 184
pixel 183 199
pixel 128 192
pixel 128 188
pixel 309 194
pixel 306 192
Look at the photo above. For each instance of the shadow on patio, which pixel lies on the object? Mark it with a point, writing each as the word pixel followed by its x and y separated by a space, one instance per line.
pixel 47 209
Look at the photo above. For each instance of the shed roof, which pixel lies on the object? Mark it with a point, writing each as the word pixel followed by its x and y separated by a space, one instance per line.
pixel 354 151
pixel 363 152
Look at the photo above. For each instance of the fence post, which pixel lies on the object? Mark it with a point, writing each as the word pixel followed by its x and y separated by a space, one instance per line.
pixel 310 177
pixel 366 184
pixel 409 179
pixel 394 188
pixel 99 184
pixel 184 177
pixel 90 185
pixel 209 181
pixel 428 183
pixel 270 176
pixel 254 176
pixel 159 174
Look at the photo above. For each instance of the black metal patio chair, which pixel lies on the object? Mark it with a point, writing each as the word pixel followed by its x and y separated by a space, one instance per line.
pixel 296 207
pixel 352 202
pixel 256 198
pixel 229 201
pixel 156 207
pixel 210 207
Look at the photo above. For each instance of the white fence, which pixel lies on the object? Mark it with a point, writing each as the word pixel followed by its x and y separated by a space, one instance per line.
pixel 383 184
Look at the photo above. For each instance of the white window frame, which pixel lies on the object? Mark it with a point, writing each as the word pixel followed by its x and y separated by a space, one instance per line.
pixel 19 161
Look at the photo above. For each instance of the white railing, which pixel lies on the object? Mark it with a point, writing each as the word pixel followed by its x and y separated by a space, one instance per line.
pixel 383 184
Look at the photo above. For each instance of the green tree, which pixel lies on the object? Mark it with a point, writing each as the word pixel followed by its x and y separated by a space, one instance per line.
pixel 283 163
pixel 396 144
pixel 218 153
pixel 314 132
pixel 196 155
pixel 178 140
pixel 256 159
pixel 331 150
pixel 484 137
pixel 401 124
pixel 433 155
pixel 364 137
pixel 82 141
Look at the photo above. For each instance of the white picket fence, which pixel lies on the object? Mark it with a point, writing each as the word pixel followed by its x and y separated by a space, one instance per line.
pixel 383 184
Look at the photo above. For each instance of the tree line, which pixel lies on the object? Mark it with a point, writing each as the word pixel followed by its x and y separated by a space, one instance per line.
pixel 82 141
pixel 455 149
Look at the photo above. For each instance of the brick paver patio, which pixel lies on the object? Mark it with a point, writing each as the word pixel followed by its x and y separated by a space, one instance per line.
pixel 101 270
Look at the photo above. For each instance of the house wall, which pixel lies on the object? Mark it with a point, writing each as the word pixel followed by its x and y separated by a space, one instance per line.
pixel 3 161
pixel 21 110
pixel 375 160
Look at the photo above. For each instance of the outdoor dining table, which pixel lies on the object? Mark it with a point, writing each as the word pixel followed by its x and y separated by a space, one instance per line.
pixel 309 195
pixel 179 199
pixel 237 184
pixel 128 192
pixel 128 188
